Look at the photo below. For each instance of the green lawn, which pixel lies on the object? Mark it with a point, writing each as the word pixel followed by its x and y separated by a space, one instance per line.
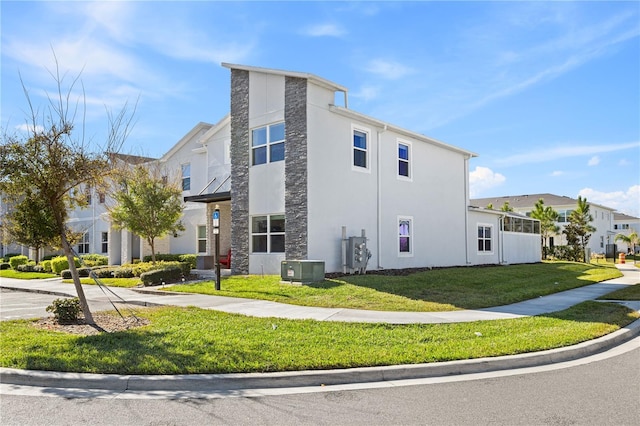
pixel 192 340
pixel 430 291
pixel 10 273
pixel 111 282
pixel 628 293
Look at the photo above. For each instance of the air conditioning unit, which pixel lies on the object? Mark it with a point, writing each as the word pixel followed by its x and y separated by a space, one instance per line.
pixel 302 271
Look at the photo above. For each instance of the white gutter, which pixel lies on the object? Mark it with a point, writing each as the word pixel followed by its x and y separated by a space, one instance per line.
pixel 379 197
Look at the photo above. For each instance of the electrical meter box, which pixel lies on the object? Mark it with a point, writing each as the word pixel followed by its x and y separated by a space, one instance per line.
pixel 302 271
pixel 357 253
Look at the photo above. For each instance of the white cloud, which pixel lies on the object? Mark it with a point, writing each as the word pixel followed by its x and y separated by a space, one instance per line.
pixel 483 178
pixel 551 154
pixel 623 201
pixel 390 70
pixel 324 30
pixel 28 128
pixel 557 173
pixel 366 93
pixel 594 161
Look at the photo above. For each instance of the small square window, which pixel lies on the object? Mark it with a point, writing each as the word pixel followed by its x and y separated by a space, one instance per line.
pixel 267 144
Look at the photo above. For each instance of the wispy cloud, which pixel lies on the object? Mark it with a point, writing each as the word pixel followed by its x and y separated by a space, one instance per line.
pixel 387 69
pixel 552 154
pixel 593 161
pixel 624 201
pixel 482 179
pixel 324 30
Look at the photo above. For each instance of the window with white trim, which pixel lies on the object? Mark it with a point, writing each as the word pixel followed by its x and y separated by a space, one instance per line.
pixel 83 246
pixel 267 144
pixel 485 241
pixel 186 177
pixel 202 238
pixel 267 234
pixel 105 242
pixel 405 232
pixel 360 151
pixel 404 162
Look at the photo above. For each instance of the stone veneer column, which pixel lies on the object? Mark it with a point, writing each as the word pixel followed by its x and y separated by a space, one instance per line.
pixel 239 171
pixel 295 194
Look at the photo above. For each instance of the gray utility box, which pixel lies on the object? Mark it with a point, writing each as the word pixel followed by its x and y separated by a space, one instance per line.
pixel 205 262
pixel 302 271
pixel 357 255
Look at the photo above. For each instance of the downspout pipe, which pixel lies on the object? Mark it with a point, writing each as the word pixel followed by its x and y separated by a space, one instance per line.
pixel 379 196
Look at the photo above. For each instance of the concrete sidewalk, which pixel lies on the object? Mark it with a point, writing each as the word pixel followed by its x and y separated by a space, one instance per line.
pixel 99 299
pixel 208 385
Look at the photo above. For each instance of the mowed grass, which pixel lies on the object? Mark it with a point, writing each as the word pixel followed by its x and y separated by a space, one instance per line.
pixel 10 273
pixel 430 291
pixel 631 292
pixel 192 340
pixel 111 282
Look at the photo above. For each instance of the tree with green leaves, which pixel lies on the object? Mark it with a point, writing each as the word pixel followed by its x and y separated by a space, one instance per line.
pixel 506 207
pixel 548 218
pixel 31 223
pixel 631 240
pixel 147 206
pixel 579 228
pixel 49 166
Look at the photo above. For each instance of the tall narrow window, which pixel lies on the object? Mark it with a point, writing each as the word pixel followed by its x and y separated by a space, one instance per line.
pixel 360 150
pixel 202 239
pixel 83 246
pixel 484 239
pixel 267 234
pixel 101 197
pixel 186 177
pixel 267 144
pixel 404 235
pixel 404 151
pixel 105 242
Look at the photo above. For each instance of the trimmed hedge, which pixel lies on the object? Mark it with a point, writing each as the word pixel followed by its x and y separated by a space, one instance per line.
pixel 16 261
pixel 27 267
pixel 158 276
pixel 60 263
pixel 46 265
pixel 167 257
pixel 82 272
pixel 90 260
pixel 5 265
pixel 9 256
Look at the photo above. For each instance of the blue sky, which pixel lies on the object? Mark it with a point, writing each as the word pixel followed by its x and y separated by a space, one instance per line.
pixel 546 93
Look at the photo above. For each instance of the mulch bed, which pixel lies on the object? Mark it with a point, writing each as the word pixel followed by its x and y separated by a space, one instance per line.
pixel 104 323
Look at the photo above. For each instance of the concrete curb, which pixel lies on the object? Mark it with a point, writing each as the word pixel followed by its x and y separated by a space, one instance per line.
pixel 241 381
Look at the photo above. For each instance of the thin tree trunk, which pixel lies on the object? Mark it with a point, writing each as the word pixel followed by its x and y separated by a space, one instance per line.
pixel 88 317
pixel 153 250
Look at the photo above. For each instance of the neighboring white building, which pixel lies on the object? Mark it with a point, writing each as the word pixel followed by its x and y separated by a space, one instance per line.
pixel 603 217
pixel 625 224
pixel 290 171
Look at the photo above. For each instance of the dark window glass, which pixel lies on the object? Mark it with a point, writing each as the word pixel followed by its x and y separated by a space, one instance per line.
pixel 260 155
pixel 277 244
pixel 359 158
pixel 277 152
pixel 259 225
pixel 259 244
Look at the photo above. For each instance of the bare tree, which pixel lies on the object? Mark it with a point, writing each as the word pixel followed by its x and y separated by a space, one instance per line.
pixel 53 164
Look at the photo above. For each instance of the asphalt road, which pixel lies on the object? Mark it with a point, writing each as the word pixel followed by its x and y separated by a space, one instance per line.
pixel 21 305
pixel 601 390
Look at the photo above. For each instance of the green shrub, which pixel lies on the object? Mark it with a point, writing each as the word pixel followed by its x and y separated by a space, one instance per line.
pixel 59 264
pixel 82 272
pixel 188 258
pixel 65 309
pixel 123 272
pixel 27 267
pixel 49 257
pixel 158 276
pixel 9 256
pixel 46 265
pixel 105 271
pixel 38 268
pixel 15 261
pixel 90 260
pixel 5 265
pixel 160 257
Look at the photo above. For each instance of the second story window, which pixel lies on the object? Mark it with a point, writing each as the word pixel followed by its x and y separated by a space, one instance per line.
pixel 360 149
pixel 267 144
pixel 186 177
pixel 404 166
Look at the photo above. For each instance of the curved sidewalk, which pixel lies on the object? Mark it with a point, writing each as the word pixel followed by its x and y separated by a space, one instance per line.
pixel 100 300
pixel 216 385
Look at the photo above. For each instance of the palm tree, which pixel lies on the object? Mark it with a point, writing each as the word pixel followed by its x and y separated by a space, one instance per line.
pixel 548 218
pixel 631 240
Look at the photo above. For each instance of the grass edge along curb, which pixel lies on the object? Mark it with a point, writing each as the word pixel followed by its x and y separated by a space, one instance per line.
pixel 192 340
